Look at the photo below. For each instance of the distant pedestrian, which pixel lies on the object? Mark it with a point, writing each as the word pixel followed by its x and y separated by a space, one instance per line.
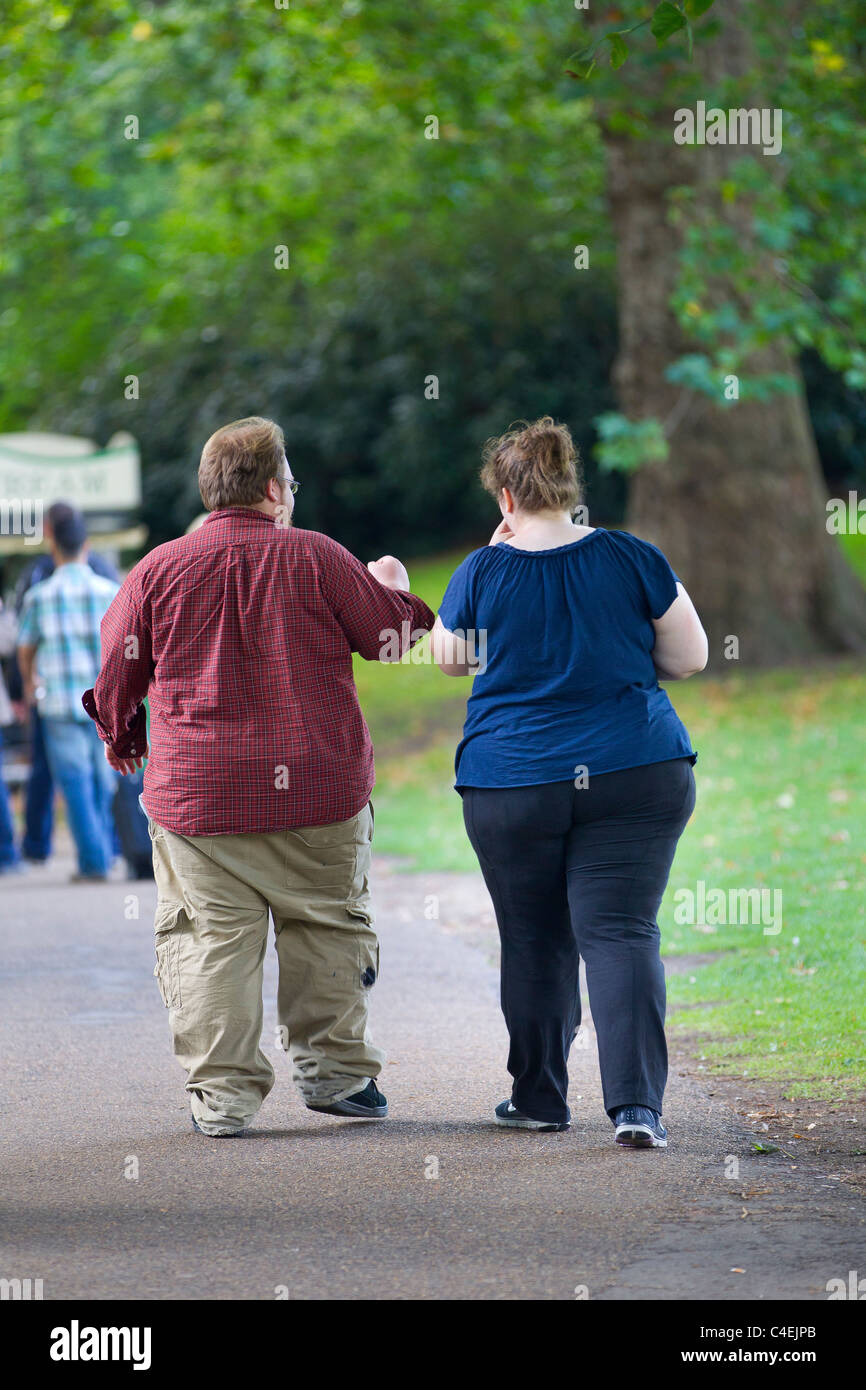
pixel 10 861
pixel 58 655
pixel 39 795
pixel 258 781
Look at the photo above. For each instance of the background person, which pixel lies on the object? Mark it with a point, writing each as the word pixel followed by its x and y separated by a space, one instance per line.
pixel 58 656
pixel 576 776
pixel 10 860
pixel 258 781
pixel 39 796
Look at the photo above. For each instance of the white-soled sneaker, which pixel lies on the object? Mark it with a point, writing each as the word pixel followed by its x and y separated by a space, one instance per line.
pixel 508 1115
pixel 638 1127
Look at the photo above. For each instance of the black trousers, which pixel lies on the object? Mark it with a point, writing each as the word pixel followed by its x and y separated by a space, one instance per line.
pixel 581 872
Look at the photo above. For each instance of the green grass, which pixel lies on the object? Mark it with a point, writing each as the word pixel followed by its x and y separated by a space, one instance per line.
pixel 403 701
pixel 781 780
pixel 855 553
pixel 781 799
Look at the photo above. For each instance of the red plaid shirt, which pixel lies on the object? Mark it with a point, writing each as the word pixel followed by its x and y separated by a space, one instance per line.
pixel 241 635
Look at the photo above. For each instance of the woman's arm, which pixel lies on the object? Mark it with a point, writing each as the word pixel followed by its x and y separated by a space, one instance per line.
pixel 452 654
pixel 681 647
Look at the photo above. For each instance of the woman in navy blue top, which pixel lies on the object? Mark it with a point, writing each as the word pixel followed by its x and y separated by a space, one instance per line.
pixel 575 773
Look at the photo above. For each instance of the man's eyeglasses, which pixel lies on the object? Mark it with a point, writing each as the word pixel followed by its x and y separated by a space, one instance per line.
pixel 291 483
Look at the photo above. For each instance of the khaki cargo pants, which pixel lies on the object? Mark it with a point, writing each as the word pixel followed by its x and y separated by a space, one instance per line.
pixel 214 895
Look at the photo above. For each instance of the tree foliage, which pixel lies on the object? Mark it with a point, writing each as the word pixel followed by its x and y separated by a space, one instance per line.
pixel 409 257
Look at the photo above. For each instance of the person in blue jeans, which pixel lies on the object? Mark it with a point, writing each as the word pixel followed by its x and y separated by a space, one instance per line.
pixel 39 798
pixel 576 776
pixel 59 658
pixel 9 857
pixel 10 861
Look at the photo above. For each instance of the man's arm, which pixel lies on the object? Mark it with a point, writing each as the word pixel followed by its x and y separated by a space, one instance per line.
pixel 28 641
pixel 27 667
pixel 115 703
pixel 373 605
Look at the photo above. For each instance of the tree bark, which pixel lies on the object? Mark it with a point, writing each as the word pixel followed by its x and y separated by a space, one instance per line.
pixel 739 505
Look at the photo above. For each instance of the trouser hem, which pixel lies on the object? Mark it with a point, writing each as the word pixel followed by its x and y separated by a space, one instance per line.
pixel 328 1093
pixel 531 1113
pixel 654 1104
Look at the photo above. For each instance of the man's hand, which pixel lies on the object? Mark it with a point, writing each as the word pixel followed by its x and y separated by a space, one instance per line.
pixel 124 765
pixel 503 532
pixel 389 572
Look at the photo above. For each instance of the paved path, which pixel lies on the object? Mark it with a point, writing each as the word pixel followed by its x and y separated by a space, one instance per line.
pixel 336 1209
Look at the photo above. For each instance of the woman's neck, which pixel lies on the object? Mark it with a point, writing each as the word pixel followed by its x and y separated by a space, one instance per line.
pixel 537 532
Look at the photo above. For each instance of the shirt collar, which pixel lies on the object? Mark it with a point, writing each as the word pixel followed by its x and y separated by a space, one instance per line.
pixel 250 513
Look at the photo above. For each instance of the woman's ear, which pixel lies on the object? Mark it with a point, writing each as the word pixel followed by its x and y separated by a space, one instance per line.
pixel 506 502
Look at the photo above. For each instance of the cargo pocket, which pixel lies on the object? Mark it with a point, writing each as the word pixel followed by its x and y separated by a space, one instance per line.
pixel 169 920
pixel 326 856
pixel 367 947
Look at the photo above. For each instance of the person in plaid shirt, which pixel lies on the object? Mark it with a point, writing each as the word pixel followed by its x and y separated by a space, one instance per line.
pixel 258 780
pixel 58 656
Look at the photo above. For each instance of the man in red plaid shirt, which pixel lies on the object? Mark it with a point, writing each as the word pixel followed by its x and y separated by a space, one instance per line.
pixel 258 781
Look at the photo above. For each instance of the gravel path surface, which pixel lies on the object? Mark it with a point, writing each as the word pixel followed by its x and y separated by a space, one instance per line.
pixel 434 1203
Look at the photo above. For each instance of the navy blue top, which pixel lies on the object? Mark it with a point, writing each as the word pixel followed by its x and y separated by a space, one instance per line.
pixel 569 680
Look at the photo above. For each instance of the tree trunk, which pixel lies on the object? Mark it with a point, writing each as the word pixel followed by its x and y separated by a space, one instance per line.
pixel 739 505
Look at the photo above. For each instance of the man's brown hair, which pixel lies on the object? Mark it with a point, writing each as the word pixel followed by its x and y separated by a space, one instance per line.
pixel 238 461
pixel 539 465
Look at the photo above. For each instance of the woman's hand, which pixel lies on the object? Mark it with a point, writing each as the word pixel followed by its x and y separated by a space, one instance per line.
pixel 503 532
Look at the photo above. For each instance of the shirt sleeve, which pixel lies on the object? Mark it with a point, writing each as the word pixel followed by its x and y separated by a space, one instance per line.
pixel 372 616
pixel 8 631
pixel 456 608
pixel 28 626
pixel 658 579
pixel 116 702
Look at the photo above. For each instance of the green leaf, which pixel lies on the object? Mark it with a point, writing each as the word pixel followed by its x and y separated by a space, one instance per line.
pixel 694 371
pixel 626 445
pixel 666 20
pixel 695 8
pixel 583 60
pixel 765 1148
pixel 618 50
pixel 582 69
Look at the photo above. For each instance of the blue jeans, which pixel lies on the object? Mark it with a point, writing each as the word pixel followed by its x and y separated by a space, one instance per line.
pixel 76 757
pixel 8 852
pixel 39 805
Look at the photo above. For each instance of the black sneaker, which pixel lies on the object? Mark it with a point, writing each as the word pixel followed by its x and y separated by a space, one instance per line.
pixel 508 1115
pixel 368 1104
pixel 638 1127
